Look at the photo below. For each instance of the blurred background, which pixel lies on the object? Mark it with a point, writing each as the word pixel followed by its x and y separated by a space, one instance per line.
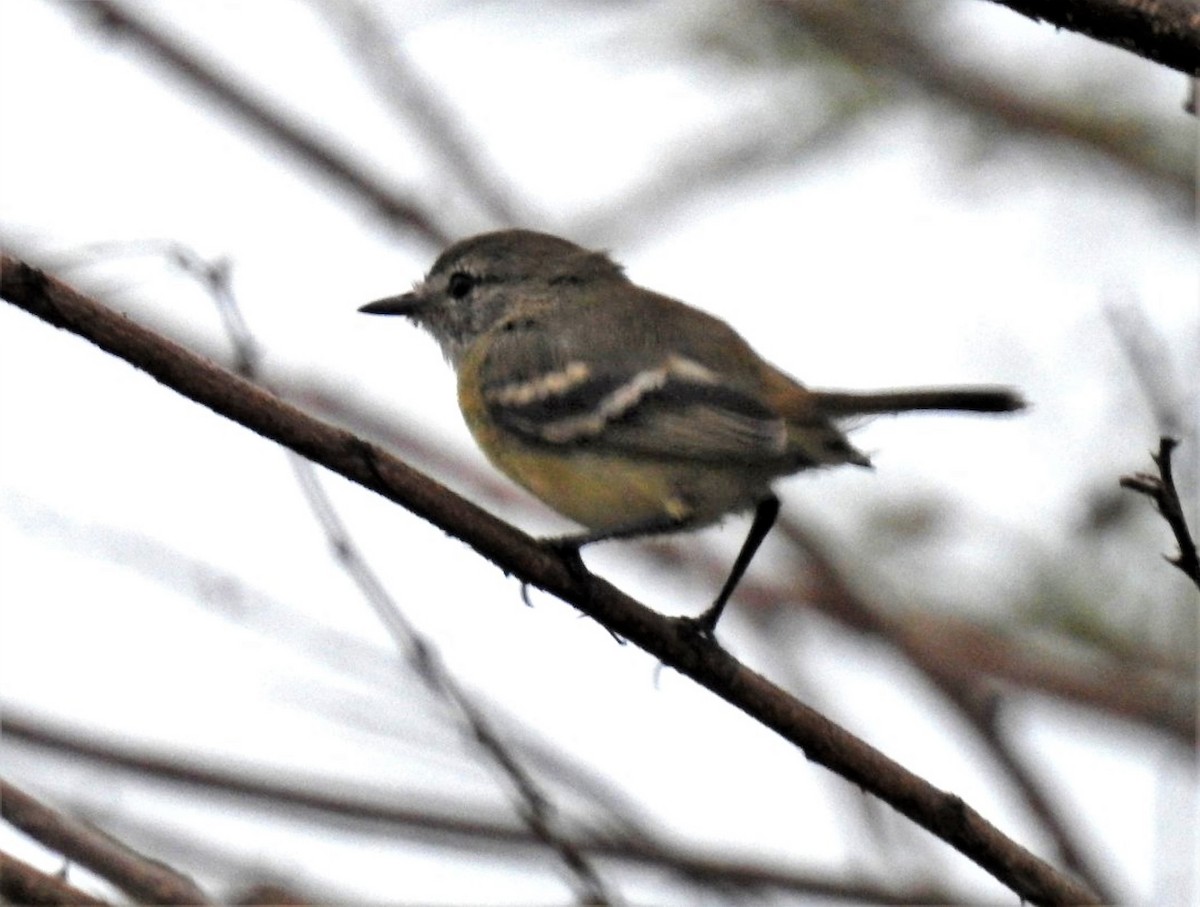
pixel 875 194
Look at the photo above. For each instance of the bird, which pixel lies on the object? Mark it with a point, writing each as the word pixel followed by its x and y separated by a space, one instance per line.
pixel 627 411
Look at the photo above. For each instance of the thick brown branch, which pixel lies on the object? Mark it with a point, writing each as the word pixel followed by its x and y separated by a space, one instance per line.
pixel 1165 31
pixel 21 883
pixel 1161 697
pixel 139 876
pixel 672 642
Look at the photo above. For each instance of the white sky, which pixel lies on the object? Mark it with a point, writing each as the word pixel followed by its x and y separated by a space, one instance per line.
pixel 904 257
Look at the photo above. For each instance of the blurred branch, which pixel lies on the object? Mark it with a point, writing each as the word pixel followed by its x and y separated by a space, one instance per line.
pixel 1162 699
pixel 289 791
pixel 669 640
pixel 879 40
pixel 380 56
pixel 448 821
pixel 1165 31
pixel 1143 696
pixel 960 685
pixel 712 157
pixel 271 894
pixel 1150 360
pixel 1162 491
pixel 533 806
pixel 230 597
pixel 138 876
pixel 21 883
pixel 397 211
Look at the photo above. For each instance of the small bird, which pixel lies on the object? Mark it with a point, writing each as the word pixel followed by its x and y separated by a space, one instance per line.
pixel 627 411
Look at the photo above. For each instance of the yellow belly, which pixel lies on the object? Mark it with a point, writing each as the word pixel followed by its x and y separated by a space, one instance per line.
pixel 595 492
pixel 610 490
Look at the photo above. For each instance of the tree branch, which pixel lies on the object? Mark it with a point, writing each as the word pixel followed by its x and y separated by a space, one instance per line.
pixel 671 641
pixel 137 875
pixel 1165 31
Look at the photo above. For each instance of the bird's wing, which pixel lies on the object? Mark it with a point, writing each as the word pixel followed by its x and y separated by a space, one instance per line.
pixel 551 385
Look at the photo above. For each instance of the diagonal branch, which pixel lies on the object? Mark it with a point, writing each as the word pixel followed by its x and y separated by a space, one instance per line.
pixel 21 883
pixel 400 84
pixel 671 641
pixel 143 878
pixel 1165 31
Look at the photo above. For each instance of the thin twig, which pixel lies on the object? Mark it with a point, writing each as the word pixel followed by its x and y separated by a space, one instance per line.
pixel 667 639
pixel 1162 491
pixel 137 875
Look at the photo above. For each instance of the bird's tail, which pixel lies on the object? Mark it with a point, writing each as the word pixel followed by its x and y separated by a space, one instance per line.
pixel 839 404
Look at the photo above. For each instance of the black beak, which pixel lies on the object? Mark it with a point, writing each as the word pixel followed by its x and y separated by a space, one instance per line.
pixel 404 304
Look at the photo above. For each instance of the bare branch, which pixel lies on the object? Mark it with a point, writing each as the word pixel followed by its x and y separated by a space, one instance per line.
pixel 1162 491
pixel 1165 31
pixel 671 641
pixel 1145 695
pixel 139 876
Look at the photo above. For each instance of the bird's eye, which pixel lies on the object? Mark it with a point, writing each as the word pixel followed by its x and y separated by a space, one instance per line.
pixel 461 283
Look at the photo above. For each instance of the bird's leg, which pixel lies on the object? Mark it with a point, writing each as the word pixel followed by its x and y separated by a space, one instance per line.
pixel 568 546
pixel 764 518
